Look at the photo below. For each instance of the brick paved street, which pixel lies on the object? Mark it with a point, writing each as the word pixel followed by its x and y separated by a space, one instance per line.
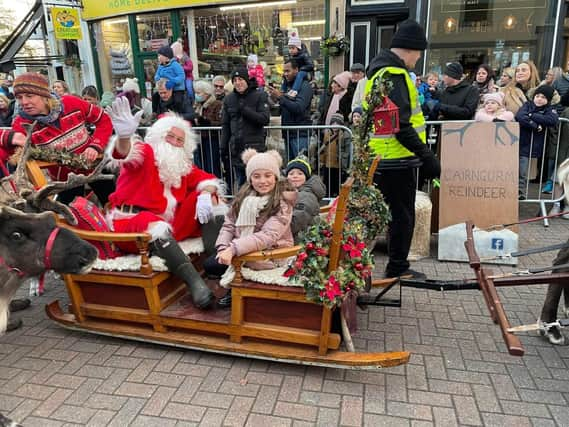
pixel 459 373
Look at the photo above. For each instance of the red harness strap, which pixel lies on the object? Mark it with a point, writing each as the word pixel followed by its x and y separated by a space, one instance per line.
pixel 49 248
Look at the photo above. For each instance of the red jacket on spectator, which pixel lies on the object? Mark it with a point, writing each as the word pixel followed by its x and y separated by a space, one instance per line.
pixel 71 134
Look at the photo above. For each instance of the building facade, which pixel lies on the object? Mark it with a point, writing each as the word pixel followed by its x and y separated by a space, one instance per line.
pixel 217 36
pixel 500 33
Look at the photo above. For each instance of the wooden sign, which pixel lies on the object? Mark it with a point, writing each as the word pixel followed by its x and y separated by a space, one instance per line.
pixel 479 182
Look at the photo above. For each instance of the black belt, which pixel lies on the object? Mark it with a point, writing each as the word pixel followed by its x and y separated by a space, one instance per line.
pixel 129 209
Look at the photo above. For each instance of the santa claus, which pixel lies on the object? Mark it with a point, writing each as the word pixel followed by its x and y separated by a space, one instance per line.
pixel 160 191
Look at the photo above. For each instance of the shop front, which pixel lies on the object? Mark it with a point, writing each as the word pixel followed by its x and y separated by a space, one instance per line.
pixel 218 36
pixel 501 33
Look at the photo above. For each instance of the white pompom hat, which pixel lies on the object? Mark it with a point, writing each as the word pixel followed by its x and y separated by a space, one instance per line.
pixel 269 160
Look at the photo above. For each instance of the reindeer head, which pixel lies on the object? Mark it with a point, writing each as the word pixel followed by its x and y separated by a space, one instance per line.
pixel 29 245
pixel 31 242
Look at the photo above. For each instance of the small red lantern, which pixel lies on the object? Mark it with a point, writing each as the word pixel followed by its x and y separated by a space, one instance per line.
pixel 386 118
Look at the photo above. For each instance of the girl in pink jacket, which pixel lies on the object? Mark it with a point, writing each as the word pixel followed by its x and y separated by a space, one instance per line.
pixel 256 70
pixel 259 217
pixel 492 109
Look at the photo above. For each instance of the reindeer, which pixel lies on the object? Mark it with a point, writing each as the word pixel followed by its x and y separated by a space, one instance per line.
pixel 31 242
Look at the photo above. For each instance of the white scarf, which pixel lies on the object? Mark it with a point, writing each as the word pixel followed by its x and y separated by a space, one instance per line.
pixel 246 221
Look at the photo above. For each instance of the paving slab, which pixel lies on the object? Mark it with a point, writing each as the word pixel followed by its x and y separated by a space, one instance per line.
pixel 459 374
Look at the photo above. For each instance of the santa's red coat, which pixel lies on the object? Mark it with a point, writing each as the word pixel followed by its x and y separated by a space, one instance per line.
pixel 139 185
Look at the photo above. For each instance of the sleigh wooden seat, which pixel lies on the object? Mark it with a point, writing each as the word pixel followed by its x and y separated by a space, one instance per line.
pixel 265 321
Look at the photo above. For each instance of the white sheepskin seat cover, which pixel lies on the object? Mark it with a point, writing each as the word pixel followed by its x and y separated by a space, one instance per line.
pixel 132 262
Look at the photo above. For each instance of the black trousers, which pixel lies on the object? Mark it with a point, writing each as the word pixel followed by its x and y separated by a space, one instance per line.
pixel 213 268
pixel 398 187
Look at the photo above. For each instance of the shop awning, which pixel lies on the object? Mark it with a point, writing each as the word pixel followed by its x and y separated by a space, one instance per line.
pixel 12 45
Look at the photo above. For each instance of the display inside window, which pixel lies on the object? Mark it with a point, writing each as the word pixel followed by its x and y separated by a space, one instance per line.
pixel 225 38
pixel 491 32
pixel 114 52
pixel 154 30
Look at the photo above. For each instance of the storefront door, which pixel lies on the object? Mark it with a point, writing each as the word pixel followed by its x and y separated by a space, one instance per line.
pixel 153 31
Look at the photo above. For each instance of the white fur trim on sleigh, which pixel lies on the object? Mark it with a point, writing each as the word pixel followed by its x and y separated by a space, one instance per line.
pixel 273 276
pixel 132 262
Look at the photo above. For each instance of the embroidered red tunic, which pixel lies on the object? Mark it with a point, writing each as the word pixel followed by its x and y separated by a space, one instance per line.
pixel 71 134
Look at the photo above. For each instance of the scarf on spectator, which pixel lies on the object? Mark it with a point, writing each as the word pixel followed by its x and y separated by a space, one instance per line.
pixel 45 119
pixel 334 106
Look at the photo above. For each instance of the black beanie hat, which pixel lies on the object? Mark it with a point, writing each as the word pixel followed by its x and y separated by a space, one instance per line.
pixel 240 72
pixel 301 163
pixel 454 70
pixel 546 91
pixel 166 51
pixel 410 35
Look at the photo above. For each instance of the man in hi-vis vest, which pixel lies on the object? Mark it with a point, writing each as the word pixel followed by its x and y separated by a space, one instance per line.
pixel 404 151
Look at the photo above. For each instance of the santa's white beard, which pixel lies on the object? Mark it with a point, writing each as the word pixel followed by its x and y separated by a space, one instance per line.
pixel 173 162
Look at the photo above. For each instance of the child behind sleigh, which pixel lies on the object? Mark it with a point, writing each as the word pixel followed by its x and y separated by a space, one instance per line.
pixel 259 217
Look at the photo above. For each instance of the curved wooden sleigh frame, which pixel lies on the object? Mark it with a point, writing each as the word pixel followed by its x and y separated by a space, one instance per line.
pixel 488 282
pixel 265 321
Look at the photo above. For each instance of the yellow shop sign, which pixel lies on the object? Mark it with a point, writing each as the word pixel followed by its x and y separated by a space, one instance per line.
pixel 66 23
pixel 96 9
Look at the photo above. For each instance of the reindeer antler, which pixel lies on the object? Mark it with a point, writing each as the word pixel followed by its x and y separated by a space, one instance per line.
pixel 40 200
pixel 20 175
pixel 25 198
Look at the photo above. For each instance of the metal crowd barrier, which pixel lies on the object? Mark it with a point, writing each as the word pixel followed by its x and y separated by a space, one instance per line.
pixel 330 157
pixel 328 149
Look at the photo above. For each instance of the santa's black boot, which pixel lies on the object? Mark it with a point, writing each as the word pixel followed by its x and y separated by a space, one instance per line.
pixel 179 265
pixel 210 231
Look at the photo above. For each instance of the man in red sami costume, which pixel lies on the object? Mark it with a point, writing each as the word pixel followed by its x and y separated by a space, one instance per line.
pixel 161 191
pixel 61 125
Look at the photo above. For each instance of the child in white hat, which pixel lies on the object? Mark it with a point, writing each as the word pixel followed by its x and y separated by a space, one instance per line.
pixel 299 53
pixel 259 217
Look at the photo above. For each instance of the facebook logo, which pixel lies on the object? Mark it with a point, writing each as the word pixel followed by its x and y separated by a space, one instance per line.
pixel 497 244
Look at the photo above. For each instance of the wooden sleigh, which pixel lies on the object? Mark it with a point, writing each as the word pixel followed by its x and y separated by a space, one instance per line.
pixel 488 282
pixel 265 321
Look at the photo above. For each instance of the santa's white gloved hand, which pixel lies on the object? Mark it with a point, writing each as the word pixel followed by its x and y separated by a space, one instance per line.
pixel 204 208
pixel 124 122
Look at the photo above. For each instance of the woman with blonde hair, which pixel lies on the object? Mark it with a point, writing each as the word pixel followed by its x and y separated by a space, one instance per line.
pixel 516 93
pixel 60 124
pixel 6 111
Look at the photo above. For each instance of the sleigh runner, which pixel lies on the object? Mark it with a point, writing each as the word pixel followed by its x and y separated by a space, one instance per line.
pixel 266 321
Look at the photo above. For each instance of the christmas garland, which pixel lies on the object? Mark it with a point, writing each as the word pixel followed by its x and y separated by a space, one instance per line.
pixel 311 265
pixel 366 205
pixel 367 217
pixel 62 158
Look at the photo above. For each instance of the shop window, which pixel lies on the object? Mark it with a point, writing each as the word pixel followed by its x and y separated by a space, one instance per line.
pixel 112 39
pixel 500 33
pixel 154 30
pixel 224 38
